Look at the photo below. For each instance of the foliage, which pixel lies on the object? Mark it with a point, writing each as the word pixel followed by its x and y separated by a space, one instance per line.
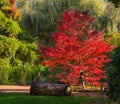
pixel 113 67
pixel 40 16
pixel 8 25
pixel 107 16
pixel 114 39
pixel 17 60
pixel 25 36
pixel 5 68
pixel 113 71
pixel 41 22
pixel 116 2
pixel 79 52
pixel 9 18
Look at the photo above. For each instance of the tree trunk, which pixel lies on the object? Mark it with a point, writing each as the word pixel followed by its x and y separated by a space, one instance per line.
pixel 118 27
pixel 50 89
pixel 83 85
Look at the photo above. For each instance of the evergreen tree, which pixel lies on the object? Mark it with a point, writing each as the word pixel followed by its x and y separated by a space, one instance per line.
pixel 17 58
pixel 10 17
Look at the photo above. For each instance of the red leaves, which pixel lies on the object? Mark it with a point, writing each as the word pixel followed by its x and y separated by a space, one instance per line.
pixel 79 52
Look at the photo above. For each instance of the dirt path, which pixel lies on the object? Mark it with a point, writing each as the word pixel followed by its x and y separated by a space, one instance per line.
pixel 14 89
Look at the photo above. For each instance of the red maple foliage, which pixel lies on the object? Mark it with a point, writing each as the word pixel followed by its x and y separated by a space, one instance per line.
pixel 79 52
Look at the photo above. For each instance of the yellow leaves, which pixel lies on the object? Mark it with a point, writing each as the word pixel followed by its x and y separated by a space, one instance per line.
pixel 114 39
pixel 8 26
pixel 97 6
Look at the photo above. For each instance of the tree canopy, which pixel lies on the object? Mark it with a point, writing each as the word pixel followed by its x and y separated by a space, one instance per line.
pixel 79 52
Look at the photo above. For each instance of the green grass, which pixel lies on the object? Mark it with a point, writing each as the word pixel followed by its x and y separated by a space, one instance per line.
pixel 15 98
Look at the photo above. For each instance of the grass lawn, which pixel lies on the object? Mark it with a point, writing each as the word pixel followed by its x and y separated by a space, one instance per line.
pixel 18 98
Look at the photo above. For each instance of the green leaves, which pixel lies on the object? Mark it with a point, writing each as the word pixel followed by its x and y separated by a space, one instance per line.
pixel 12 48
pixel 27 52
pixel 40 16
pixel 8 46
pixel 9 18
pixel 106 14
pixel 18 58
pixel 5 68
pixel 4 2
pixel 8 26
pixel 113 71
pixel 114 39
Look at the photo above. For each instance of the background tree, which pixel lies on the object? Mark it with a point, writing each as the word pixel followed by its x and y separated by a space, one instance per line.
pixel 107 16
pixel 36 15
pixel 42 16
pixel 79 52
pixel 113 68
pixel 113 72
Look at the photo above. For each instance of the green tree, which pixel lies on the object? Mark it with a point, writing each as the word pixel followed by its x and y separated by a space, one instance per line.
pixel 10 17
pixel 17 57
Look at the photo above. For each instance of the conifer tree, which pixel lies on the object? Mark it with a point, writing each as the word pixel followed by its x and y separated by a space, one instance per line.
pixel 10 17
pixel 16 57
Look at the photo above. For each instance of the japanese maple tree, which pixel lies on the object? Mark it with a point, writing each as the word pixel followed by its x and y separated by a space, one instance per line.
pixel 79 52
